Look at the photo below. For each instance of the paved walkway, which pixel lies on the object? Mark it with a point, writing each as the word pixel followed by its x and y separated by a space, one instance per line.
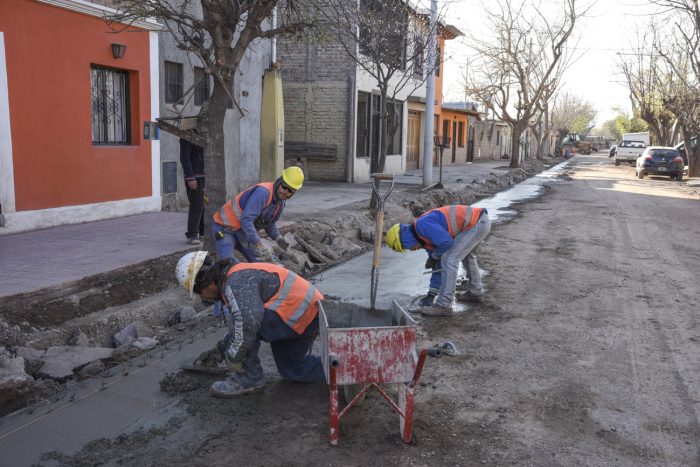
pixel 43 258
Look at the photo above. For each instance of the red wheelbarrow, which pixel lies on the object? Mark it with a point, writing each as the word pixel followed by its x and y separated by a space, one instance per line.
pixel 370 348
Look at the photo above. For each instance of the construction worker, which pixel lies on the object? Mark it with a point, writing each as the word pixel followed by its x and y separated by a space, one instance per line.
pixel 450 235
pixel 236 224
pixel 262 302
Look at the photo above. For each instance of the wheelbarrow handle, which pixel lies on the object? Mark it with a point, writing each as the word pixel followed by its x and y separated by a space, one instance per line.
pixel 382 176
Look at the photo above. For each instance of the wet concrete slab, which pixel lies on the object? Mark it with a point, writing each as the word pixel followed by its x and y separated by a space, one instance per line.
pixel 125 403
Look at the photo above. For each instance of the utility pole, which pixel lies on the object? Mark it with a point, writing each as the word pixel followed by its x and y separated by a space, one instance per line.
pixel 429 100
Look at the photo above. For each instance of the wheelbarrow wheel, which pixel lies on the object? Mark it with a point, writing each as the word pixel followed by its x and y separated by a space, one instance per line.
pixel 350 391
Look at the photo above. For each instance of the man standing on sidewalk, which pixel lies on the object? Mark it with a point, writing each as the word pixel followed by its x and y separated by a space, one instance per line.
pixel 192 160
pixel 450 235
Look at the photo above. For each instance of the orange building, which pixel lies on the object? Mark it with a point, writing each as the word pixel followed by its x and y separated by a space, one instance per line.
pixel 72 114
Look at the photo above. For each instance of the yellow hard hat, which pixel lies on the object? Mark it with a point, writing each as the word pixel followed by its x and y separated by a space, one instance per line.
pixel 393 238
pixel 293 177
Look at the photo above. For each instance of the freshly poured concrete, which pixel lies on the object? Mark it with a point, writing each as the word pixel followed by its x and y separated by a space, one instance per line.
pixel 127 403
pixel 402 277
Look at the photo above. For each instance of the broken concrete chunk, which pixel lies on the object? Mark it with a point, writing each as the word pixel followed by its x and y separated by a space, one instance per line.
pixel 287 241
pixel 92 369
pixel 33 359
pixel 136 329
pixel 144 343
pixel 79 338
pixel 60 361
pixel 367 234
pixel 344 246
pixel 187 313
pixel 14 381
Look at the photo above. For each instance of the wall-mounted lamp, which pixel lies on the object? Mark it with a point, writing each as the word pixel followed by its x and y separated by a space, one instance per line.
pixel 118 50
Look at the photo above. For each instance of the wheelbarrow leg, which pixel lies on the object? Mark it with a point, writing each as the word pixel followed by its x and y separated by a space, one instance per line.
pixel 406 405
pixel 333 416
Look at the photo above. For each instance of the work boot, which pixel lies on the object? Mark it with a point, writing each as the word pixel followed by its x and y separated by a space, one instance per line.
pixel 237 386
pixel 427 300
pixel 470 296
pixel 436 310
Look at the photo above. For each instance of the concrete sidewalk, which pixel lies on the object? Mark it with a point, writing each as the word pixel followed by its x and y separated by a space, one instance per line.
pixel 38 259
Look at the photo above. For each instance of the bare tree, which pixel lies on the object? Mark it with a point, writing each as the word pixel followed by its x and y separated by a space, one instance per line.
pixel 574 114
pixel 217 32
pixel 387 39
pixel 680 54
pixel 522 62
pixel 648 83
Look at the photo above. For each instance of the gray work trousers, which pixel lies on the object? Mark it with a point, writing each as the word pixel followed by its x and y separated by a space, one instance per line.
pixel 463 247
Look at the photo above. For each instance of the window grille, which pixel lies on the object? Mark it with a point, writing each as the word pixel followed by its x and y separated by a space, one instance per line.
pixel 109 91
pixel 173 82
pixel 201 90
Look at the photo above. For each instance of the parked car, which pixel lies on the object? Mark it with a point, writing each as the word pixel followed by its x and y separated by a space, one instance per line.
pixel 628 151
pixel 659 160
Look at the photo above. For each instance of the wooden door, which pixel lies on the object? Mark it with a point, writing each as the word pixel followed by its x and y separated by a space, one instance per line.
pixel 413 140
pixel 454 142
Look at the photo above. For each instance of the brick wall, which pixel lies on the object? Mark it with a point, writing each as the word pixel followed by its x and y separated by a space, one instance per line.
pixel 316 101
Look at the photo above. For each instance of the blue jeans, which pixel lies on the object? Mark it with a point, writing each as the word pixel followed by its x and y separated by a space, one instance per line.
pixel 289 349
pixel 230 241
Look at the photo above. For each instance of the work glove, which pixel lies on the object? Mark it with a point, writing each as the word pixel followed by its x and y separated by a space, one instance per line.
pixel 210 358
pixel 264 253
pixel 236 367
pixel 430 263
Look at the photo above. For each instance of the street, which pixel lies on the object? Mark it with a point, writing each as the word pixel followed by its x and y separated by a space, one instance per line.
pixel 585 352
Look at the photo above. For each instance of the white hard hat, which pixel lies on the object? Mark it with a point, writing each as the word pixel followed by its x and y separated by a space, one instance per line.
pixel 188 267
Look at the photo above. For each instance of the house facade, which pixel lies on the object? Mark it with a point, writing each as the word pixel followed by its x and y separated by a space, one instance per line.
pixel 74 97
pixel 185 86
pixel 332 109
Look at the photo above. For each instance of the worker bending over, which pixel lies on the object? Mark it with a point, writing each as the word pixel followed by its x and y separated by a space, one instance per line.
pixel 236 224
pixel 450 235
pixel 262 302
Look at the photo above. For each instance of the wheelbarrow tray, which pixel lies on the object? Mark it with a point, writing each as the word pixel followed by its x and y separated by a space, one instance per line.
pixel 367 346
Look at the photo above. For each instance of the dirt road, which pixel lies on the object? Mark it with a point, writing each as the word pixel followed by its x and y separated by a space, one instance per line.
pixel 585 352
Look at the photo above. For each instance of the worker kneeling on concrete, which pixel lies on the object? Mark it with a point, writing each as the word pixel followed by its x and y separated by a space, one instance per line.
pixel 262 302
pixel 236 224
pixel 450 235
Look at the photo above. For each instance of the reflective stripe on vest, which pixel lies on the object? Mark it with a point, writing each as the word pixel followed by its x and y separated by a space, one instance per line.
pixel 459 218
pixel 231 212
pixel 296 301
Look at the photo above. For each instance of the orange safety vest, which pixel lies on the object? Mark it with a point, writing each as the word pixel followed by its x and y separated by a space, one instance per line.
pixel 296 301
pixel 459 218
pixel 231 212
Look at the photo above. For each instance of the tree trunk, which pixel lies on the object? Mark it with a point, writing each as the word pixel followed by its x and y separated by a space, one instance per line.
pixel 378 163
pixel 212 125
pixel 518 129
pixel 690 153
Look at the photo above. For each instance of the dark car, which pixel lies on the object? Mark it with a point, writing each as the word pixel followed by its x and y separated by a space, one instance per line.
pixel 659 160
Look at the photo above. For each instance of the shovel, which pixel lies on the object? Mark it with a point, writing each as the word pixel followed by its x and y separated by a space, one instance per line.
pixel 379 230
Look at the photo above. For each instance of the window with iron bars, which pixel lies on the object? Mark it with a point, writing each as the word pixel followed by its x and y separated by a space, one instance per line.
pixel 173 82
pixel 201 89
pixel 111 113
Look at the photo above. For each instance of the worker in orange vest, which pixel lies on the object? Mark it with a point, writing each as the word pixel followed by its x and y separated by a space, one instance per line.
pixel 450 235
pixel 236 223
pixel 262 302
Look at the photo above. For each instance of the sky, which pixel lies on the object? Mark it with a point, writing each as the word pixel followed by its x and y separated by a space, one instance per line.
pixel 609 28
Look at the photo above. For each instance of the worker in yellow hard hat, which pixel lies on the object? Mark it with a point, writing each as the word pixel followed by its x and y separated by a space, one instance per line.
pixel 258 207
pixel 450 235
